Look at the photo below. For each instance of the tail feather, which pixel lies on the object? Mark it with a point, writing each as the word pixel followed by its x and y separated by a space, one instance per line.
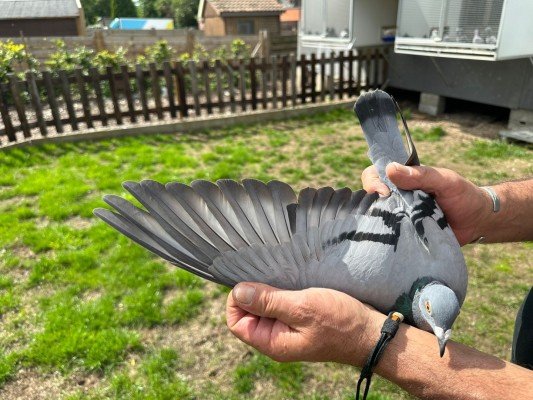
pixel 376 111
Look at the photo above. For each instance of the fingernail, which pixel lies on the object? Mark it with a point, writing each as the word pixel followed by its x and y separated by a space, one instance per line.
pixel 244 294
pixel 402 169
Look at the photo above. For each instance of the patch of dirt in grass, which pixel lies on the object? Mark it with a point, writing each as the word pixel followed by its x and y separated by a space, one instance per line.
pixel 23 252
pixel 79 222
pixel 31 384
pixel 15 200
pixel 205 345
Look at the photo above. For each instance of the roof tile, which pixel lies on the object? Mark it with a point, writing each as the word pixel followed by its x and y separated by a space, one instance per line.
pixel 239 6
pixel 19 9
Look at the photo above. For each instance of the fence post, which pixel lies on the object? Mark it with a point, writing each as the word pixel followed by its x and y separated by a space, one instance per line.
pixel 293 79
pixel 169 82
pixel 231 83
pixel 99 41
pixel 284 77
pixel 19 105
pixel 194 85
pixel 207 86
pixel 264 42
pixel 127 92
pixel 303 78
pixel 36 101
pixel 83 97
pixel 10 132
pixel 253 83
pixel 242 77
pixel 51 96
pixel 139 78
pixel 95 80
pixel 190 41
pixel 332 75
pixel 350 73
pixel 220 93
pixel 274 61
pixel 181 89
pixel 341 74
pixel 264 82
pixel 156 90
pixel 113 92
pixel 313 78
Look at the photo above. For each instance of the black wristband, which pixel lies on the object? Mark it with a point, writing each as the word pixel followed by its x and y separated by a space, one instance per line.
pixel 388 331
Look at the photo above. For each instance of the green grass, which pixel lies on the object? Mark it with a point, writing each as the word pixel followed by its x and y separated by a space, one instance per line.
pixel 78 298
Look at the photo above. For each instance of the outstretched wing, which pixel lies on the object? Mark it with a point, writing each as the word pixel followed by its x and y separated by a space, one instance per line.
pixel 229 232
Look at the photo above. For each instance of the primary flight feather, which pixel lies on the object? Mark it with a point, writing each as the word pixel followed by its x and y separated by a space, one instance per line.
pixel 394 253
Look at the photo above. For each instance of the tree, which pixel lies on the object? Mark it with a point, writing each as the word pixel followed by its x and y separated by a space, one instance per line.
pixel 94 9
pixel 186 12
pixel 148 8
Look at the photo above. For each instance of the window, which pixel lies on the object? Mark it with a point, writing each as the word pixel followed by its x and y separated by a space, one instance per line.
pixel 327 19
pixel 245 27
pixel 461 21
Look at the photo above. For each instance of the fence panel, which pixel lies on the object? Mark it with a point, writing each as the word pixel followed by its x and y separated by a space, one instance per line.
pixel 42 103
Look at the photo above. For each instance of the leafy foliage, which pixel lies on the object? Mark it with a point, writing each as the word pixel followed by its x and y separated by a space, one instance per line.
pixel 186 12
pixel 15 57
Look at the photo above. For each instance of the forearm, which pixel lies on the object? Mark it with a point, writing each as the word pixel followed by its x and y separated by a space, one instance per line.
pixel 412 361
pixel 514 221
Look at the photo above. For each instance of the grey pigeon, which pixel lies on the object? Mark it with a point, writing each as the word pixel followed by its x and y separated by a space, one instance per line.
pixel 394 253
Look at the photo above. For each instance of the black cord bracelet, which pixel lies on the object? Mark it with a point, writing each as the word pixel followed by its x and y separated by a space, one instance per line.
pixel 388 331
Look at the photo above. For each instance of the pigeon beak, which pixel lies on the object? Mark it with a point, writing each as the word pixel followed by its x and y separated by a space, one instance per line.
pixel 442 337
pixel 442 346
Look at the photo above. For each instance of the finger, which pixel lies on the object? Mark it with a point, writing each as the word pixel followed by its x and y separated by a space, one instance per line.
pixel 266 301
pixel 428 179
pixel 268 335
pixel 372 183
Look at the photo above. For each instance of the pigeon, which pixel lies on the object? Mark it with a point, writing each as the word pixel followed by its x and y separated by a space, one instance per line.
pixel 394 253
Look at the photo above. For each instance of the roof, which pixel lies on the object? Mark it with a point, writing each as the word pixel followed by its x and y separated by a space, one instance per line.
pixel 224 7
pixel 290 15
pixel 23 9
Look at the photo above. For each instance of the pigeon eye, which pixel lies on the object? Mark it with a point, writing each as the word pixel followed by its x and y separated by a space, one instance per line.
pixel 428 307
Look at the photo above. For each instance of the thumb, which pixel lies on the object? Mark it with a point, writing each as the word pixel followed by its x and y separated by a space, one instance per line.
pixel 428 179
pixel 266 301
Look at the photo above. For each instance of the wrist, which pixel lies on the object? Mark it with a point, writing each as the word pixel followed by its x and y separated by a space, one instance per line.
pixel 485 219
pixel 368 333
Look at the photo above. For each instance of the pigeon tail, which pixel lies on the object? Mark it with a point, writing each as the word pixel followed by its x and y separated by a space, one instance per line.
pixel 376 111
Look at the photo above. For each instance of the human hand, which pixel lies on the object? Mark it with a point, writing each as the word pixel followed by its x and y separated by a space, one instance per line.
pixel 305 325
pixel 464 204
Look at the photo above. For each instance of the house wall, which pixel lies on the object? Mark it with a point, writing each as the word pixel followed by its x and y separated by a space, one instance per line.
pixel 39 27
pixel 268 23
pixel 213 25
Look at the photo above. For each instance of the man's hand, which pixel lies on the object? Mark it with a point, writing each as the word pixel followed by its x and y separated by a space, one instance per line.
pixel 305 325
pixel 464 204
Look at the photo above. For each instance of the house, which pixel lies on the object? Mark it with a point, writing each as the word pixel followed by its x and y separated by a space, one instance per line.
pixel 239 17
pixel 291 16
pixel 41 18
pixel 339 25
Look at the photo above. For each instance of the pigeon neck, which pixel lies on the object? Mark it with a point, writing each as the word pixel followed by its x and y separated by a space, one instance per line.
pixel 407 303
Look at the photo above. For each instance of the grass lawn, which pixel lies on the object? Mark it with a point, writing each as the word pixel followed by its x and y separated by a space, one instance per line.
pixel 87 314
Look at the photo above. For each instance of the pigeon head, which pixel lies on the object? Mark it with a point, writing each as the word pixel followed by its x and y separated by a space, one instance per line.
pixel 437 308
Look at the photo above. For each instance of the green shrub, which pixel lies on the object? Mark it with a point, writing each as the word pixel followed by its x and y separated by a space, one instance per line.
pixel 15 57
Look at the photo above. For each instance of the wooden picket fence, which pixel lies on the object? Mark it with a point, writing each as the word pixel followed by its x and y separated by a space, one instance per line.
pixel 55 104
